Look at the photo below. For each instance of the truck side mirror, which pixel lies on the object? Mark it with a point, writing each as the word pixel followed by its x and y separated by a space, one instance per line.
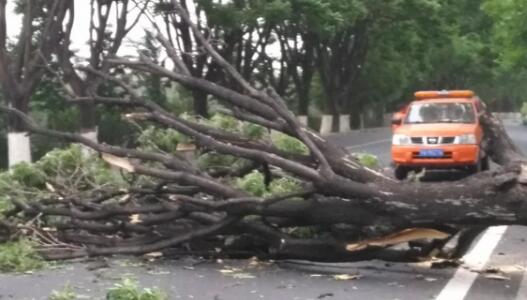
pixel 397 121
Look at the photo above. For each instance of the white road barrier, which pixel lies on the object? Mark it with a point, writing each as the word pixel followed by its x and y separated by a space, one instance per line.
pixel 326 124
pixel 509 118
pixel 344 123
pixel 18 148
pixel 302 120
pixel 92 136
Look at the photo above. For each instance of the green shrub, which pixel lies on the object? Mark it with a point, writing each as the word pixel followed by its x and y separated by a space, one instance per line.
pixel 289 144
pixel 128 290
pixel 524 109
pixel 19 256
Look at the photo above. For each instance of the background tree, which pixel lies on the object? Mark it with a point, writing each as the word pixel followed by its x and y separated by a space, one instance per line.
pixel 110 23
pixel 507 35
pixel 21 62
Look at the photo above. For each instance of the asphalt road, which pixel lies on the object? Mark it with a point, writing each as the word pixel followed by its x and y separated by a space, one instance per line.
pixel 501 249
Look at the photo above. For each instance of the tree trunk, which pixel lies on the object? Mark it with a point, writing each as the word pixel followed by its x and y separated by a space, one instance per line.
pixel 303 101
pixel 88 121
pixel 335 112
pixel 200 104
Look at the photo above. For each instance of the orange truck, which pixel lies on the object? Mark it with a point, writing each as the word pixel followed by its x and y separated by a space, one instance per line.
pixel 439 130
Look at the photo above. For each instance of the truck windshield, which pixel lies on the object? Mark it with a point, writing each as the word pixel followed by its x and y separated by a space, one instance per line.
pixel 432 112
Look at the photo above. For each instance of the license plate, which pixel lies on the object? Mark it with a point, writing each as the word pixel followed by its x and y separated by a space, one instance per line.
pixel 431 152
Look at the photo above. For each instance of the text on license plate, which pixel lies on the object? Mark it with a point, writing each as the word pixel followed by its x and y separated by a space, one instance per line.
pixel 431 152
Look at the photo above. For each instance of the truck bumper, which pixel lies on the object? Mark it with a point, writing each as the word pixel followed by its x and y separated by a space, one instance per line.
pixel 453 156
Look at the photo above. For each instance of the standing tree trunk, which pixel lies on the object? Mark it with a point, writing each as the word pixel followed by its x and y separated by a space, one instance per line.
pixel 88 121
pixel 200 103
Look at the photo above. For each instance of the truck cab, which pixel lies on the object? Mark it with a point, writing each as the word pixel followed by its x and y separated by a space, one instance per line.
pixel 439 130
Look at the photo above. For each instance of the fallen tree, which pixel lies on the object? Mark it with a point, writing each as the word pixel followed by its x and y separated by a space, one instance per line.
pixel 333 208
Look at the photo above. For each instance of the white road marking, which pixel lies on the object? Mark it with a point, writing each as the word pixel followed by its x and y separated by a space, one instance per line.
pixel 459 285
pixel 369 144
pixel 522 292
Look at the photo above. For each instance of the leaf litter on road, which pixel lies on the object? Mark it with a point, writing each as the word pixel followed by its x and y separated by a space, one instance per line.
pixel 346 276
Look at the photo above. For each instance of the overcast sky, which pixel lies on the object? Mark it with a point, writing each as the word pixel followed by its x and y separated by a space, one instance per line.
pixel 80 34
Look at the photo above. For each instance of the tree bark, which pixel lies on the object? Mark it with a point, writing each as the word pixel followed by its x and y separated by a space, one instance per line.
pixel 200 103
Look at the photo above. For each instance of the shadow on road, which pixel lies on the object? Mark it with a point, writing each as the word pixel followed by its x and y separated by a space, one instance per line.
pixel 444 175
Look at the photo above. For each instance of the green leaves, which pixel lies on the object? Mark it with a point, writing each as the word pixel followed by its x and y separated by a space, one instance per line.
pixel 254 184
pixel 19 256
pixel 129 290
pixel 289 144
pixel 166 140
pixel 211 160
pixel 284 185
pixel 66 293
pixel 235 15
pixel 509 30
pixel 67 170
pixel 27 175
pixel 369 160
pixel 225 122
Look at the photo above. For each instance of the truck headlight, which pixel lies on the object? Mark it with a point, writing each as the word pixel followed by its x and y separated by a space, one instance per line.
pixel 466 139
pixel 400 139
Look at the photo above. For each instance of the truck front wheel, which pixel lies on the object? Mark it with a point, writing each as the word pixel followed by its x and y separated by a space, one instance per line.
pixel 401 172
pixel 482 165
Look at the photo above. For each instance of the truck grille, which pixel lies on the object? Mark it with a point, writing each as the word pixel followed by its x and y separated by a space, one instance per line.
pixel 448 140
pixel 432 140
pixel 416 140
